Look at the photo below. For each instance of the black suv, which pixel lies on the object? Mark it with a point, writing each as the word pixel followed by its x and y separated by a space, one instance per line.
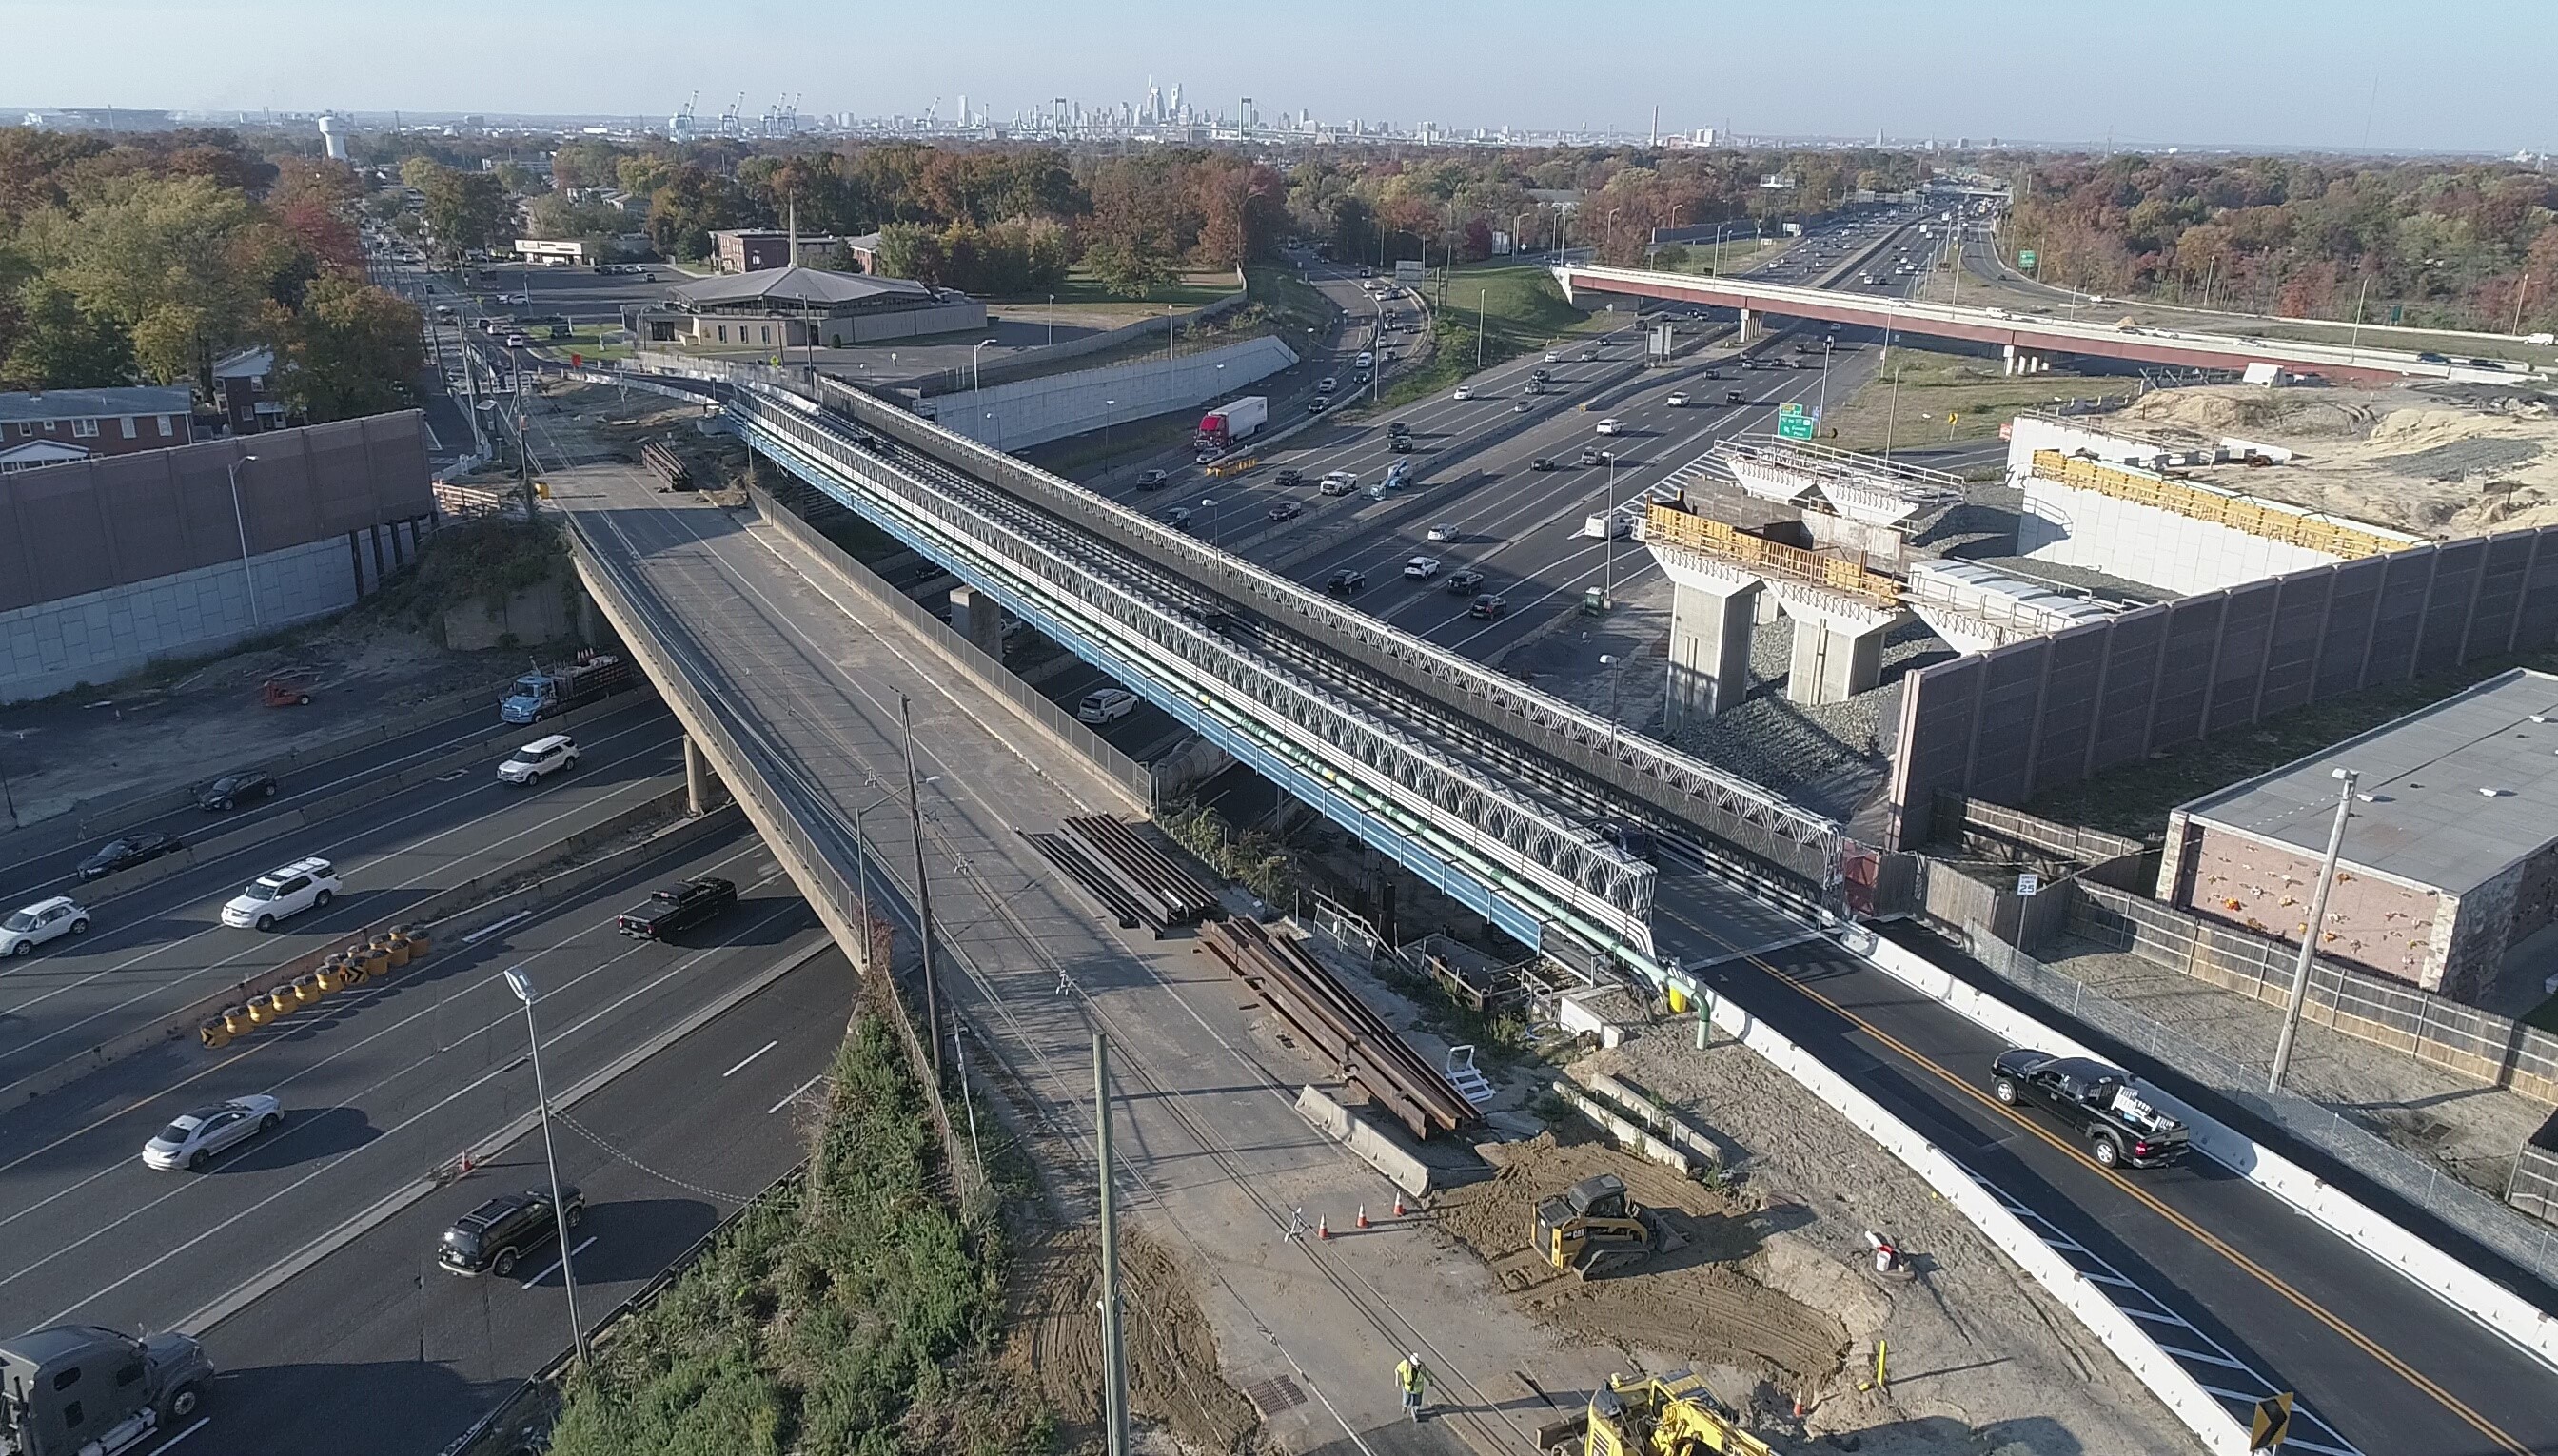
pixel 676 908
pixel 126 852
pixel 1343 583
pixel 230 791
pixel 491 1238
pixel 2099 1102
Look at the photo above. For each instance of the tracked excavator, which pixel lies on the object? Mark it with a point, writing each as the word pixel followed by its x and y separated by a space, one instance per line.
pixel 1593 1227
pixel 1652 1416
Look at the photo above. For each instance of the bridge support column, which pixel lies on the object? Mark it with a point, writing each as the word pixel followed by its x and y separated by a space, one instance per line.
pixel 1743 336
pixel 979 619
pixel 1710 628
pixel 2009 355
pixel 1834 659
pixel 701 786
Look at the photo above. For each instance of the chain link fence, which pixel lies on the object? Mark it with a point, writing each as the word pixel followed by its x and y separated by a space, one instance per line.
pixel 2505 1231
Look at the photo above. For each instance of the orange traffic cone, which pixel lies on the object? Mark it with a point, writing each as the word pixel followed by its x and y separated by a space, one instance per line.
pixel 1363 1215
pixel 1799 1411
pixel 1399 1210
pixel 1322 1227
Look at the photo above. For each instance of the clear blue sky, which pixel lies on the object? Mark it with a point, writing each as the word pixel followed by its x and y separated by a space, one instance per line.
pixel 2451 74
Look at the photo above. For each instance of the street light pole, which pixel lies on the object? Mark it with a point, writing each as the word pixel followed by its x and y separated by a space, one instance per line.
pixel 976 376
pixel 2310 936
pixel 522 987
pixel 1608 556
pixel 1481 294
pixel 240 520
pixel 922 893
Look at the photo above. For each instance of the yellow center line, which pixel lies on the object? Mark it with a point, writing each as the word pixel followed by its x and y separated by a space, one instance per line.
pixel 2144 1197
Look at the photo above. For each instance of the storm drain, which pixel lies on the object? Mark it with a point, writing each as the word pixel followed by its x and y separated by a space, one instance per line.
pixel 1273 1396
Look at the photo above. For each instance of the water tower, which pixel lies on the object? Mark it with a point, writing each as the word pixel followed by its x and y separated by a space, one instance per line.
pixel 330 137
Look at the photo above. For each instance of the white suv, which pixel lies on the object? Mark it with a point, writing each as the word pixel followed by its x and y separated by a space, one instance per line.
pixel 33 924
pixel 305 884
pixel 538 759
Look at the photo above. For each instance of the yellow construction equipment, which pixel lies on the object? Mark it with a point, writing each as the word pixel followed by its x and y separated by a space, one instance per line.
pixel 1653 1415
pixel 1593 1225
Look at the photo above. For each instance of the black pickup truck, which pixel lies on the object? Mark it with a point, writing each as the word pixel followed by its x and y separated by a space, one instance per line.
pixel 677 908
pixel 2100 1103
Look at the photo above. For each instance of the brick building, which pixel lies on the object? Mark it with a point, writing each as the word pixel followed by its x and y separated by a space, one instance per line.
pixel 2450 862
pixel 50 426
pixel 754 249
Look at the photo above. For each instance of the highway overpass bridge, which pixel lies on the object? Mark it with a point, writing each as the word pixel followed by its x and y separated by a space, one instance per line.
pixel 2027 342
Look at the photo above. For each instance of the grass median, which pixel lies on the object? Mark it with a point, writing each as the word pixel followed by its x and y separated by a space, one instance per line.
pixel 1519 307
pixel 1943 397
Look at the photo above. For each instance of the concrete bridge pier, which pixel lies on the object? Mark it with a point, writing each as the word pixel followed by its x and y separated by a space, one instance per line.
pixel 1838 645
pixel 978 619
pixel 1743 336
pixel 702 792
pixel 2020 362
pixel 1712 616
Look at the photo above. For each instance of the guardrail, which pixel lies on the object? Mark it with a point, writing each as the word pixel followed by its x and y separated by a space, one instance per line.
pixel 2439 1273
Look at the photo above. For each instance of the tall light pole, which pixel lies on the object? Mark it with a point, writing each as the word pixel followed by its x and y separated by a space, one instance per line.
pixel 522 987
pixel 242 520
pixel 922 895
pixel 976 376
pixel 1216 522
pixel 2310 936
pixel 1481 294
pixel 1608 530
pixel 1823 407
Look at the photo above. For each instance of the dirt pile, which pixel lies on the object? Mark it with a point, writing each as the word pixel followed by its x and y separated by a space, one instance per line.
pixel 1697 1303
pixel 1172 1369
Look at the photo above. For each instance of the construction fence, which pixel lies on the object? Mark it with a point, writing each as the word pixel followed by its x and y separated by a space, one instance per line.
pixel 2014 721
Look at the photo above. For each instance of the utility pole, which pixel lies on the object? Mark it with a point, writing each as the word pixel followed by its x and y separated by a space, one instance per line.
pixel 1114 1352
pixel 923 893
pixel 2310 936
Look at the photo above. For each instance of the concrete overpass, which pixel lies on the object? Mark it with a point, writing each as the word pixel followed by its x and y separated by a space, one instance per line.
pixel 2029 341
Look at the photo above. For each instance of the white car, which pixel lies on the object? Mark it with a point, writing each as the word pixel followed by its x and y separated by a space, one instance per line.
pixel 33 924
pixel 1445 530
pixel 192 1137
pixel 1421 568
pixel 305 884
pixel 1611 426
pixel 1553 356
pixel 1464 394
pixel 1678 399
pixel 1106 705
pixel 538 759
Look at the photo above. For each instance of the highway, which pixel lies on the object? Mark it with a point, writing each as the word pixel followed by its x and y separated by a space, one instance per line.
pixel 157 948
pixel 378 1326
pixel 381 1085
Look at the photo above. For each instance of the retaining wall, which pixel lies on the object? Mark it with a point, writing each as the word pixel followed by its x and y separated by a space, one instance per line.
pixel 1018 415
pixel 2009 723
pixel 1037 361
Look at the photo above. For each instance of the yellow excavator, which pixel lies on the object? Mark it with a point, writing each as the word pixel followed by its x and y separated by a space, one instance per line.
pixel 1593 1225
pixel 1653 1415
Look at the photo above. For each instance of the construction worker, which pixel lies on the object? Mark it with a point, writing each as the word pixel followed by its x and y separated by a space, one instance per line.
pixel 1412 1377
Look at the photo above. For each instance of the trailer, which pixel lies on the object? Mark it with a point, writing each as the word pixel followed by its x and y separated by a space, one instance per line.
pixel 1228 425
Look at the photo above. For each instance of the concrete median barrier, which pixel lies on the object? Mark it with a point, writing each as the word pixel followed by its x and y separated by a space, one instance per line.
pixel 1337 1123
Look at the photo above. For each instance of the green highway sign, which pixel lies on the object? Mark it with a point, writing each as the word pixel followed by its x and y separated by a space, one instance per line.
pixel 2024 258
pixel 1794 422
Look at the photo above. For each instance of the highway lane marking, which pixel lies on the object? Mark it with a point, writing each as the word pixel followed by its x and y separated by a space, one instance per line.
pixel 555 1264
pixel 395 1028
pixel 750 1059
pixel 581 1024
pixel 202 1421
pixel 484 932
pixel 264 945
pixel 2267 1278
pixel 796 1093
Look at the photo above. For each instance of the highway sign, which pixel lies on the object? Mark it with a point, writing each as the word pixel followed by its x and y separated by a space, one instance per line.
pixel 2273 1422
pixel 2028 884
pixel 1794 422
pixel 2024 258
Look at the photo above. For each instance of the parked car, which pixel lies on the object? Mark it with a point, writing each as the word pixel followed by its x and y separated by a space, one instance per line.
pixel 1148 480
pixel 192 1138
pixel 678 907
pixel 1489 606
pixel 236 789
pixel 538 759
pixel 127 851
pixel 2099 1102
pixel 1421 568
pixel 1105 705
pixel 1463 582
pixel 1286 510
pixel 1344 583
pixel 495 1236
pixel 29 926
pixel 305 884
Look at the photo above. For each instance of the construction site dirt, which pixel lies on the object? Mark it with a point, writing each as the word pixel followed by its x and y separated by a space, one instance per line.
pixel 1173 1369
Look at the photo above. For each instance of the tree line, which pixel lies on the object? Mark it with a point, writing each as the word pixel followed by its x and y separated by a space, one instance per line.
pixel 2441 243
pixel 132 259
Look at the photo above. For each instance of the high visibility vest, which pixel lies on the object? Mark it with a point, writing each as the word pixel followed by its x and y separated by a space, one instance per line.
pixel 1411 1377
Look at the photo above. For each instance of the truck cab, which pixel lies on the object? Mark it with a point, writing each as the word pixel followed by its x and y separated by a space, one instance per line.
pixel 544 692
pixel 87 1390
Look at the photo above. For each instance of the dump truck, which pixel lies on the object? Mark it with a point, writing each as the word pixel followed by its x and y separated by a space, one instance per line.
pixel 1223 427
pixel 87 1390
pixel 545 691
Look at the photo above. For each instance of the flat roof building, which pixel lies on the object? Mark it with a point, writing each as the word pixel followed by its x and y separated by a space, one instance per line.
pixel 794 308
pixel 2451 850
pixel 755 249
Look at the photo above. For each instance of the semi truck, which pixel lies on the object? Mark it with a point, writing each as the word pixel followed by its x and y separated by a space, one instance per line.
pixel 544 692
pixel 1228 425
pixel 86 1390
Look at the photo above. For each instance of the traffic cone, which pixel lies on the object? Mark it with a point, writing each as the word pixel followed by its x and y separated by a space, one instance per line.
pixel 461 1165
pixel 1399 1210
pixel 1322 1227
pixel 1799 1410
pixel 1363 1215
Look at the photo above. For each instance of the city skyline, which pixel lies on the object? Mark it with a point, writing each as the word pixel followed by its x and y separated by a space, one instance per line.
pixel 2363 78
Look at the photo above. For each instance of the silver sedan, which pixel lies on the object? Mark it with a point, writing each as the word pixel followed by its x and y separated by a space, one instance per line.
pixel 192 1138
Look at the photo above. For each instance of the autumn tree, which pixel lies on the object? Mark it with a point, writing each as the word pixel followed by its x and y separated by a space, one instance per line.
pixel 350 349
